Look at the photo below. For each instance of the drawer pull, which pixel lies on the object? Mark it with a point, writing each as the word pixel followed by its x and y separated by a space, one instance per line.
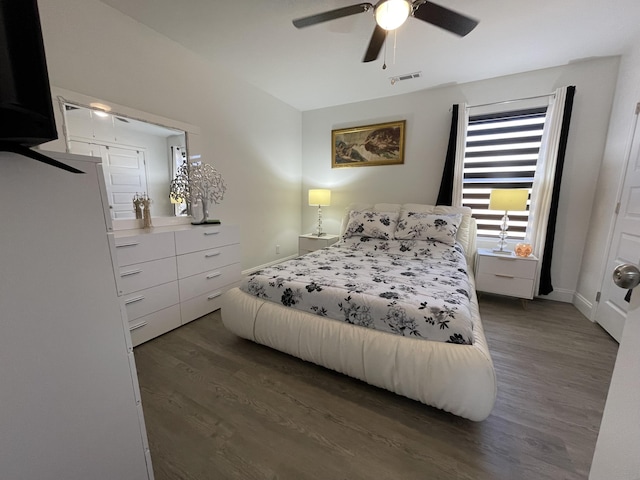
pixel 131 272
pixel 503 275
pixel 214 295
pixel 212 254
pixel 213 275
pixel 130 244
pixel 134 300
pixel 212 233
pixel 137 326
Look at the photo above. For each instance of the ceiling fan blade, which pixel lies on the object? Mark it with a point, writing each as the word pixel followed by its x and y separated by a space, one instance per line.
pixel 444 18
pixel 332 15
pixel 375 44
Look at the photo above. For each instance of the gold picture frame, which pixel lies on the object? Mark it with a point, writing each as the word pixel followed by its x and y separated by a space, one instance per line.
pixel 379 144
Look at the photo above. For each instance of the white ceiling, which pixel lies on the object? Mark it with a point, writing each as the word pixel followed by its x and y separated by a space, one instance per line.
pixel 320 66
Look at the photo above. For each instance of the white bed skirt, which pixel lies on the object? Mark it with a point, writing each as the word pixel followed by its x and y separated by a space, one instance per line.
pixel 457 378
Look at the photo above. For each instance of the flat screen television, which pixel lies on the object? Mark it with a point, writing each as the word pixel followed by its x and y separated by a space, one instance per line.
pixel 26 110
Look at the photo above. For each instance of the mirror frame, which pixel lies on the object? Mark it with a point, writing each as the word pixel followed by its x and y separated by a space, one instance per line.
pixel 192 133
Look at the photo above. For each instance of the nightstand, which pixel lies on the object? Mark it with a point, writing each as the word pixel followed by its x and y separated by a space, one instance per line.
pixel 505 274
pixel 310 242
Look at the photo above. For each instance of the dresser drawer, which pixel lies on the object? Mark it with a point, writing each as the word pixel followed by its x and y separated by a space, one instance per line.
pixel 151 300
pixel 201 305
pixel 210 281
pixel 512 286
pixel 145 247
pixel 202 238
pixel 150 326
pixel 508 266
pixel 139 276
pixel 205 260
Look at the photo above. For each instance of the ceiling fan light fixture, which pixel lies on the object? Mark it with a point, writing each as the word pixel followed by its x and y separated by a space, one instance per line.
pixel 390 14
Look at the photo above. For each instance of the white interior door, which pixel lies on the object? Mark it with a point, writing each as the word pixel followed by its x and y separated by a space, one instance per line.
pixel 611 311
pixel 617 453
pixel 124 174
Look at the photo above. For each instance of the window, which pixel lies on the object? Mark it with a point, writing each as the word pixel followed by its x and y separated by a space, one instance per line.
pixel 501 152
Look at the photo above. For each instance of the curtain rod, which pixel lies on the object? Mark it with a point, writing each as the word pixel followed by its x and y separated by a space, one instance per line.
pixel 511 101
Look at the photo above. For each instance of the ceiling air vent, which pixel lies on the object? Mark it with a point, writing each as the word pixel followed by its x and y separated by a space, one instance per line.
pixel 405 76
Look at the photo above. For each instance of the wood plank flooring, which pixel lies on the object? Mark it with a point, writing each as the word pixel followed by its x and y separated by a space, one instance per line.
pixel 219 407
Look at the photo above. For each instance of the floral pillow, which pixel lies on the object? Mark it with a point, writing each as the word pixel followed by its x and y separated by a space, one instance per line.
pixel 371 224
pixel 428 226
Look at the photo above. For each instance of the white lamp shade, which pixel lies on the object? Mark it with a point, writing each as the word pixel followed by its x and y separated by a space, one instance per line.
pixel 320 196
pixel 509 199
pixel 392 13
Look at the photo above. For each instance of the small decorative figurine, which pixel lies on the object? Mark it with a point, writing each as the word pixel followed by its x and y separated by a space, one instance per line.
pixel 137 205
pixel 523 249
pixel 146 211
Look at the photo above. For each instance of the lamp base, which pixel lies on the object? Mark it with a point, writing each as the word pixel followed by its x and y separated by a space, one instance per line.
pixel 502 252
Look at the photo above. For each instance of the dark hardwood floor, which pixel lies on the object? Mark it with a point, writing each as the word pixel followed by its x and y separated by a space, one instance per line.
pixel 219 407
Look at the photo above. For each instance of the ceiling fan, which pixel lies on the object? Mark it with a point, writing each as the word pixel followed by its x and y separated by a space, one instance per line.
pixel 390 14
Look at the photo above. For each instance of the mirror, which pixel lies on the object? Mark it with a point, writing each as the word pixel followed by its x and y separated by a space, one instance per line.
pixel 131 141
pixel 138 158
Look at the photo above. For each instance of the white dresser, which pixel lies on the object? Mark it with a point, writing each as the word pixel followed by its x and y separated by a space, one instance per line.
pixel 169 276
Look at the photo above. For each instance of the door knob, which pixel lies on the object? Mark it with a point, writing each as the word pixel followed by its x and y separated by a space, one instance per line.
pixel 626 276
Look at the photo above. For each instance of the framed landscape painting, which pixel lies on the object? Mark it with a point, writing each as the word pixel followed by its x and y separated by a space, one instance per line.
pixel 380 144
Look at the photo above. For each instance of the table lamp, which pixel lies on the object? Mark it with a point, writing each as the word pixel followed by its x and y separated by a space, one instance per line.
pixel 507 199
pixel 322 198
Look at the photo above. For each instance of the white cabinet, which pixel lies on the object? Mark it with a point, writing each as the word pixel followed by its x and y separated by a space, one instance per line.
pixel 70 403
pixel 506 274
pixel 169 276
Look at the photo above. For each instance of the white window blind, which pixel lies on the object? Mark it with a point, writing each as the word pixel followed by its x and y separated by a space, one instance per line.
pixel 501 152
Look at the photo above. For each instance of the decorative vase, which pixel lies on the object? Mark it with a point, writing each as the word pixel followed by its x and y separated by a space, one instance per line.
pixel 523 249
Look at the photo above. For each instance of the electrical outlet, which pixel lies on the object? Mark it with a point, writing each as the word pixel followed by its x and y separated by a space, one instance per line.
pixel 277 249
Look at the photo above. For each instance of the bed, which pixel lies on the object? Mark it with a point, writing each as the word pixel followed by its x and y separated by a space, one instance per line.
pixel 393 304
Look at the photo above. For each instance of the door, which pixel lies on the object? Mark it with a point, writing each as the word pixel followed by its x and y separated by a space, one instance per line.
pixel 617 453
pixel 612 308
pixel 124 174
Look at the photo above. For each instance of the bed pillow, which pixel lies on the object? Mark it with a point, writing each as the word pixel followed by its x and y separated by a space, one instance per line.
pixel 367 223
pixel 428 226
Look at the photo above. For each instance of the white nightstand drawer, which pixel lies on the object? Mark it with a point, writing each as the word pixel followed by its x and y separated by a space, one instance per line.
pixel 202 238
pixel 150 326
pixel 147 301
pixel 204 260
pixel 514 267
pixel 505 285
pixel 201 283
pixel 145 247
pixel 309 243
pixel 139 276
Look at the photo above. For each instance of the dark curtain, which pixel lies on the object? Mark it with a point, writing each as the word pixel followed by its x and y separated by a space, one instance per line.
pixel 446 184
pixel 545 287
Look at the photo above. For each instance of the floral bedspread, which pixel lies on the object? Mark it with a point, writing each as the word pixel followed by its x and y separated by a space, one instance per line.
pixel 414 288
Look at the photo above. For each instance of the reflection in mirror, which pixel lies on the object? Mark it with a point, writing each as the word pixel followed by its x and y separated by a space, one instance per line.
pixel 137 157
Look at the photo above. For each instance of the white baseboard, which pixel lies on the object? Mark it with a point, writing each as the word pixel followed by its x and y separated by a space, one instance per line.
pixel 584 306
pixel 560 295
pixel 260 267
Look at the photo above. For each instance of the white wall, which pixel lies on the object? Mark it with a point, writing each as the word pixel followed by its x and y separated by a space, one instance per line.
pixel 253 139
pixel 627 95
pixel 428 122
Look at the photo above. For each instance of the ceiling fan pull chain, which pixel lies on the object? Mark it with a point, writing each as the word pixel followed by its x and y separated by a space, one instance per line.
pixel 384 59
